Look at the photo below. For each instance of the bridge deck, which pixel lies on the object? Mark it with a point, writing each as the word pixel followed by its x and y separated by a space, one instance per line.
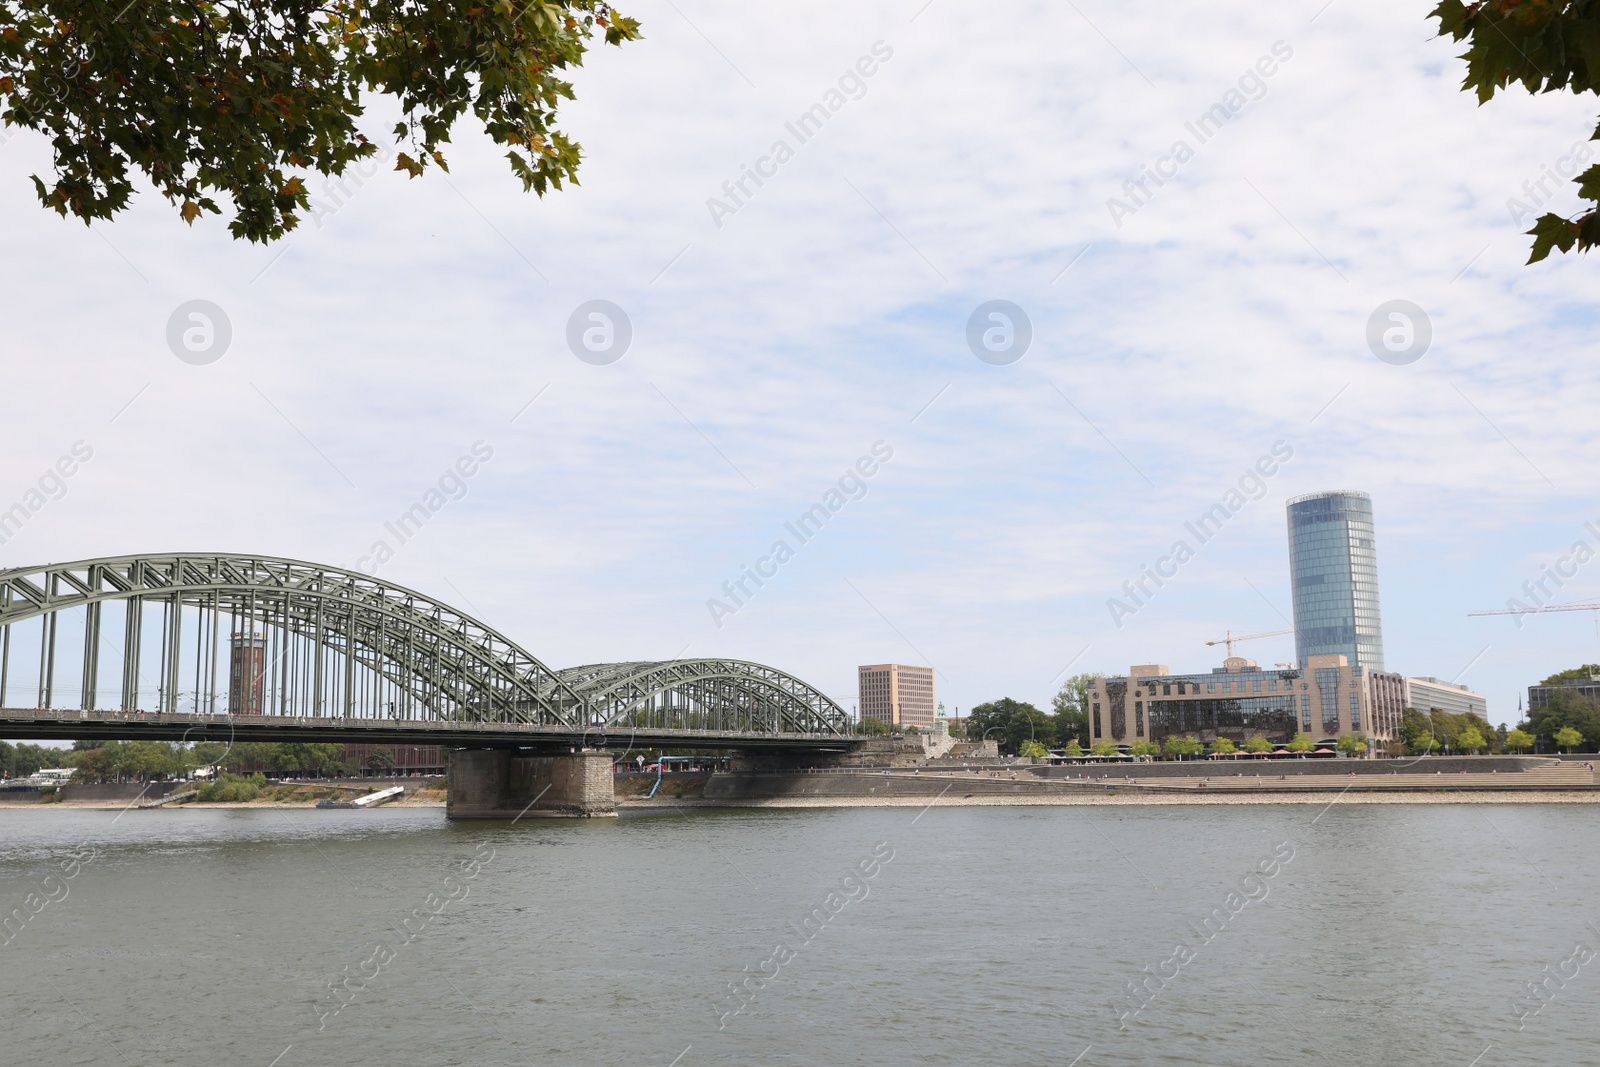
pixel 71 724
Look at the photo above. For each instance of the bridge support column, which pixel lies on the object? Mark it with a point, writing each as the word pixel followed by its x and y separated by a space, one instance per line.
pixel 507 784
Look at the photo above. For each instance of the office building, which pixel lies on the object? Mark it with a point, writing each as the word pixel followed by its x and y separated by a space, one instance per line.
pixel 1333 569
pixel 1586 687
pixel 1324 699
pixel 897 694
pixel 1430 694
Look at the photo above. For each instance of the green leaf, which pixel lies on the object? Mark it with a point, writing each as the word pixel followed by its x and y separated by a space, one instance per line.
pixel 1551 231
pixel 1452 16
pixel 1588 183
pixel 1588 231
pixel 235 102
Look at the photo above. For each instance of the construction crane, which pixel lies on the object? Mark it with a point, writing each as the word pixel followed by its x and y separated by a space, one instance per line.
pixel 1592 606
pixel 1580 606
pixel 1230 639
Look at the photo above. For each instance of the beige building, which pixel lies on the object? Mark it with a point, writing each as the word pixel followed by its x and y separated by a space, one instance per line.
pixel 1239 700
pixel 896 694
pixel 1430 694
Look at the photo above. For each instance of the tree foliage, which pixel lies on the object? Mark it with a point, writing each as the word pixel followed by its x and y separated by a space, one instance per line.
pixel 1142 747
pixel 1422 732
pixel 22 760
pixel 1222 746
pixel 307 759
pixel 1182 746
pixel 1257 744
pixel 1070 706
pixel 872 727
pixel 1300 743
pixel 1519 740
pixel 1015 721
pixel 207 753
pixel 1546 46
pixel 1566 709
pixel 112 761
pixel 242 98
pixel 1416 731
pixel 1354 744
pixel 1568 738
pixel 141 761
pixel 1588 670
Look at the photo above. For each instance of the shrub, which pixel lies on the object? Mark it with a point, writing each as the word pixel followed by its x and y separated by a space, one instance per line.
pixel 232 789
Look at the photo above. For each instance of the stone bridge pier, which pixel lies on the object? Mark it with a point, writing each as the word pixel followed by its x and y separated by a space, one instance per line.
pixel 501 783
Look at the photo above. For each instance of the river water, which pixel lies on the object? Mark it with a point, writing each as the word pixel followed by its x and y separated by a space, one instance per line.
pixel 1356 934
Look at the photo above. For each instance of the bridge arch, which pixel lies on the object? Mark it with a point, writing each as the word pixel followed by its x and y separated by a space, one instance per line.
pixel 703 694
pixel 292 638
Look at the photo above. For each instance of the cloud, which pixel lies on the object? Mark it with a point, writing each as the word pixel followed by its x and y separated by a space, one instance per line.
pixel 424 315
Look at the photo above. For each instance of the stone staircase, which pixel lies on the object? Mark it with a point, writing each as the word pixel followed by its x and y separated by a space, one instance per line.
pixel 1553 776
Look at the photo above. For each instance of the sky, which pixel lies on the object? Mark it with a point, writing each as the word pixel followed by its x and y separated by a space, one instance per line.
pixel 1176 335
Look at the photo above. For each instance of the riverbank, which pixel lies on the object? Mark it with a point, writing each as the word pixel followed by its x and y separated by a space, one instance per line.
pixel 1443 796
pixel 1547 783
pixel 1124 799
pixel 104 805
pixel 121 796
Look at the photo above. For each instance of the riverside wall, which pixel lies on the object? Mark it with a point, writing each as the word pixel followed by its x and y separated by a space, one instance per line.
pixel 1274 767
pixel 766 785
pixel 1509 774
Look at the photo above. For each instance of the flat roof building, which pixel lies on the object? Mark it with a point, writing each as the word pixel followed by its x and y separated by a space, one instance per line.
pixel 1587 687
pixel 1430 694
pixel 1325 699
pixel 1333 570
pixel 897 694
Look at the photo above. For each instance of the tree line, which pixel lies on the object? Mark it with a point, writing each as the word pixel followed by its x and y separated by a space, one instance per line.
pixel 1017 725
pixel 19 761
pixel 143 761
pixel 1568 721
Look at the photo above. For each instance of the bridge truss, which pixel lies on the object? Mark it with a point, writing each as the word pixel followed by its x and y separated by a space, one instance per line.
pixel 257 637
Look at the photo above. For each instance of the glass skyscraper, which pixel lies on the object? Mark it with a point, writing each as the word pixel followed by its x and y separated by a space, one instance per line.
pixel 1333 566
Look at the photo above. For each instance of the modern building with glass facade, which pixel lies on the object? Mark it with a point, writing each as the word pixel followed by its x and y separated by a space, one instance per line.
pixel 1586 687
pixel 1333 568
pixel 1324 699
pixel 1430 694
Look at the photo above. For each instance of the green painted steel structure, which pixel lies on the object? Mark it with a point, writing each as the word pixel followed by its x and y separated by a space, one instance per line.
pixel 206 634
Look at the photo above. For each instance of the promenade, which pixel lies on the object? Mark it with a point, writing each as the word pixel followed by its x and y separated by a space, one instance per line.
pixel 1179 783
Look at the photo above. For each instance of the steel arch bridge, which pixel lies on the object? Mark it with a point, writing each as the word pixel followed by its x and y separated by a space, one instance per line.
pixel 276 648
